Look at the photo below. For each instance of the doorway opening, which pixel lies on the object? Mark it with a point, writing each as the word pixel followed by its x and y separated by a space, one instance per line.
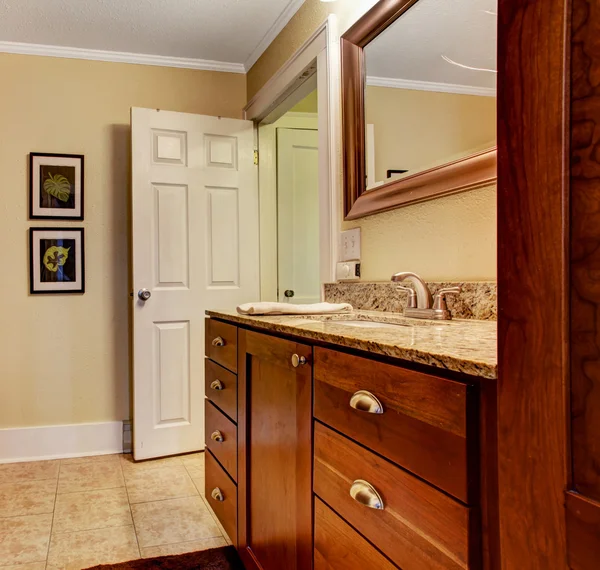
pixel 292 158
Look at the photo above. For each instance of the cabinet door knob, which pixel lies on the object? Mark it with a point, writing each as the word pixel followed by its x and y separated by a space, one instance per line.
pixel 364 401
pixel 217 436
pixel 365 494
pixel 298 360
pixel 216 385
pixel 218 341
pixel 217 495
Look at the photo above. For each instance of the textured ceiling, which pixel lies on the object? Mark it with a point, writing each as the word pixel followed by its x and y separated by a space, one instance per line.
pixel 220 30
pixel 411 48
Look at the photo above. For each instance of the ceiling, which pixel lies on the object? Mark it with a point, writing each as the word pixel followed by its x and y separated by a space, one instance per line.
pixel 411 49
pixel 231 31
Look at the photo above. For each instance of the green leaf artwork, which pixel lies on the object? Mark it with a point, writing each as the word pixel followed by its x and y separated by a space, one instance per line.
pixel 58 186
pixel 55 257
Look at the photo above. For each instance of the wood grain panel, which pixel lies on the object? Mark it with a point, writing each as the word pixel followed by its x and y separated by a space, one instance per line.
pixel 424 424
pixel 583 532
pixel 225 451
pixel 225 510
pixel 225 355
pixel 275 453
pixel 532 282
pixel 585 248
pixel 225 398
pixel 339 547
pixel 419 528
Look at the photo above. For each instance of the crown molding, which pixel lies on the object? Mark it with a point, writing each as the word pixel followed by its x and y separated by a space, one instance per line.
pixel 120 57
pixel 278 25
pixel 430 86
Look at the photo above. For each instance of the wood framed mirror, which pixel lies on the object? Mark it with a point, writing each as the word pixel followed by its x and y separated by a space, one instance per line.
pixel 407 61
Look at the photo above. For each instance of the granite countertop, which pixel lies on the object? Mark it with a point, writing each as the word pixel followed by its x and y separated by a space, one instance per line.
pixel 467 346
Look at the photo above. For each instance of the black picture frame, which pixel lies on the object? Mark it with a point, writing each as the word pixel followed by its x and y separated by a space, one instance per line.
pixel 40 280
pixel 57 208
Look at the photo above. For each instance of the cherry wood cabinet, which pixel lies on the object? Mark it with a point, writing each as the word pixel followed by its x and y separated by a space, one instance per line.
pixel 339 547
pixel 275 453
pixel 310 458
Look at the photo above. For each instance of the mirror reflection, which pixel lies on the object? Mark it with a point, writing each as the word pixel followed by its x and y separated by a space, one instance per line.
pixel 431 88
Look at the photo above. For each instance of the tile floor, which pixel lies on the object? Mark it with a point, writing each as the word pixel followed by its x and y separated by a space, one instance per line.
pixel 71 514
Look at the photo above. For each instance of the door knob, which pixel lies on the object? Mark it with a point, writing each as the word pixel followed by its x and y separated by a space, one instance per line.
pixel 365 494
pixel 289 293
pixel 217 495
pixel 218 341
pixel 298 360
pixel 364 401
pixel 144 294
pixel 216 385
pixel 217 436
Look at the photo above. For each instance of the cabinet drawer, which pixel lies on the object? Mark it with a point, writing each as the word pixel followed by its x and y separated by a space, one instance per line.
pixel 221 438
pixel 224 504
pixel 221 387
pixel 221 343
pixel 339 547
pixel 418 528
pixel 423 426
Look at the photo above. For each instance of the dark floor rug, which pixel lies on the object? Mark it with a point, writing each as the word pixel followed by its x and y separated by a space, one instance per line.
pixel 224 558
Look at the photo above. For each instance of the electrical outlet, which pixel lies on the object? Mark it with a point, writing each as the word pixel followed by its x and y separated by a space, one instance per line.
pixel 350 249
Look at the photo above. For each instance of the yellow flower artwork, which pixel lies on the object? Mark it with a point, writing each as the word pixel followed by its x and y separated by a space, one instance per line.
pixel 55 257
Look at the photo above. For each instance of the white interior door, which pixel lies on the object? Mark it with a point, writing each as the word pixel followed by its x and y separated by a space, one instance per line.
pixel 298 215
pixel 195 246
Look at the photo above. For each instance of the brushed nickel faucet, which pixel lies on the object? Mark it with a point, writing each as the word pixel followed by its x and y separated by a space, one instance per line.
pixel 420 303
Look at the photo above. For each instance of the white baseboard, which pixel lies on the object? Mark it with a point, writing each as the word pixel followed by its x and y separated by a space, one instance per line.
pixel 60 442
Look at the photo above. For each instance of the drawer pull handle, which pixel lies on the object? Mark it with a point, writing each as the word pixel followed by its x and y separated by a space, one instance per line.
pixel 218 341
pixel 216 385
pixel 217 495
pixel 217 436
pixel 364 401
pixel 298 360
pixel 365 494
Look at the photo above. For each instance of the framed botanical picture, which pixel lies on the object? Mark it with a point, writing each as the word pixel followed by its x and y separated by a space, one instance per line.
pixel 55 186
pixel 56 260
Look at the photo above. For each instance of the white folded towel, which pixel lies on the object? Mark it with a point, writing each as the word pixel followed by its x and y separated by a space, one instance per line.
pixel 266 308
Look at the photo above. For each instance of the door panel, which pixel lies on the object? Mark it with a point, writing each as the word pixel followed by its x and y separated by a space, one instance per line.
pixel 298 214
pixel 192 176
pixel 275 453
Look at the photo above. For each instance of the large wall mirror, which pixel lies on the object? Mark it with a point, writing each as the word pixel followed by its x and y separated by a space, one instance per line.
pixel 419 102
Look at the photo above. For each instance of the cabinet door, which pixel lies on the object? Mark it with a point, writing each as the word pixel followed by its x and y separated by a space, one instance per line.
pixel 274 446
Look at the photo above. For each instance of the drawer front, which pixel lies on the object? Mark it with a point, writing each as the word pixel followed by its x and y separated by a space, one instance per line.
pixel 221 387
pixel 418 528
pixel 339 547
pixel 423 426
pixel 221 343
pixel 225 509
pixel 221 438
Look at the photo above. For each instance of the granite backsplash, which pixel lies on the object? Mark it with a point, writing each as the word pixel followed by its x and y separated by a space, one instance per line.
pixel 478 299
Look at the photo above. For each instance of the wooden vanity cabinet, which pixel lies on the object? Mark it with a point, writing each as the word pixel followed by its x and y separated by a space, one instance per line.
pixel 275 453
pixel 304 443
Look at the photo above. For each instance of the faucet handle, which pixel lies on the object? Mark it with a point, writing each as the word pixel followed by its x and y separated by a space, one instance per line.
pixel 439 298
pixel 412 296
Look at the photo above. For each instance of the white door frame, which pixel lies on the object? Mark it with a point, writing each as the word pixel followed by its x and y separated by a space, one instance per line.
pixel 320 56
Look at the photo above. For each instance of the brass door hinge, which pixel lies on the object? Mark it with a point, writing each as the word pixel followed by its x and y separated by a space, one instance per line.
pixel 256 157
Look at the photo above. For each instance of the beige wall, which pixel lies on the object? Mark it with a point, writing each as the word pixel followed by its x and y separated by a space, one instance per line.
pixel 449 238
pixel 416 130
pixel 65 359
pixel 309 104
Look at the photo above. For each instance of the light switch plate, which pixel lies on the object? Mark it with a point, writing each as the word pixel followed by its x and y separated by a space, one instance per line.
pixel 350 246
pixel 347 271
